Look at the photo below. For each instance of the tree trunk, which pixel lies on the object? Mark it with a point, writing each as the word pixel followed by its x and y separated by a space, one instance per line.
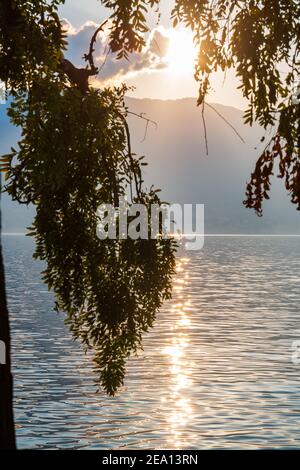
pixel 7 429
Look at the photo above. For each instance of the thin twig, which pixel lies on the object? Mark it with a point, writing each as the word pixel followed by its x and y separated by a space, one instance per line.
pixel 204 127
pixel 105 59
pixel 141 116
pixel 148 121
pixel 227 122
pixel 145 134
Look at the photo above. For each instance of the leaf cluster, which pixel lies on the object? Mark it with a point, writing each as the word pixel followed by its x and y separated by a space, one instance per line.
pixel 74 155
pixel 31 41
pixel 72 158
pixel 260 39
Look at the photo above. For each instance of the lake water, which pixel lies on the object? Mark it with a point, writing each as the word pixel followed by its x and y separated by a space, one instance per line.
pixel 216 371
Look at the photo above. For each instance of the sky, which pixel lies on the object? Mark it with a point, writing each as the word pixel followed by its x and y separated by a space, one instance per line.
pixel 164 70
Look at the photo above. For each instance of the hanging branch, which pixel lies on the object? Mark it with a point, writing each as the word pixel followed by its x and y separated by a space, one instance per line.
pixel 80 76
pixel 89 57
pixel 132 164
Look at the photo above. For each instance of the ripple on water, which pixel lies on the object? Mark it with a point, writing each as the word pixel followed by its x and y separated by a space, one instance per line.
pixel 216 370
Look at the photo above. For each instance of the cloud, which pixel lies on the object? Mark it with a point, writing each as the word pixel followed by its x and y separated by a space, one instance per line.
pixel 151 58
pixel 159 42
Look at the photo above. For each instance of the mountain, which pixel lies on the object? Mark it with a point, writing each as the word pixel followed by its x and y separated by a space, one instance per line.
pixel 178 164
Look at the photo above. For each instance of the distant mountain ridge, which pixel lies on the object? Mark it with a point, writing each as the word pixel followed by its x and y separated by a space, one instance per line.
pixel 179 166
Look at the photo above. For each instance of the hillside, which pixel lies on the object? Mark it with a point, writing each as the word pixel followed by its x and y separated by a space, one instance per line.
pixel 178 164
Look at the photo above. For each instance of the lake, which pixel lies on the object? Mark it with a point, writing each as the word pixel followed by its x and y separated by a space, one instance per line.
pixel 219 369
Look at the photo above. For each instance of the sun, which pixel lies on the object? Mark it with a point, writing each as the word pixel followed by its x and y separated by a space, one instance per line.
pixel 181 55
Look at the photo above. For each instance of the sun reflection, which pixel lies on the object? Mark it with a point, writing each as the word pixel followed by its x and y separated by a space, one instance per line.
pixel 181 414
pixel 179 403
pixel 173 352
pixel 184 321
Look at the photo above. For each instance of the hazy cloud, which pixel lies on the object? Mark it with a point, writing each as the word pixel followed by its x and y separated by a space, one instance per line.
pixel 151 58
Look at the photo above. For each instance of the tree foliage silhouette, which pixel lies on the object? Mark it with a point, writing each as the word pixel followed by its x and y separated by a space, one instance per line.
pixel 29 44
pixel 75 150
pixel 260 39
pixel 74 155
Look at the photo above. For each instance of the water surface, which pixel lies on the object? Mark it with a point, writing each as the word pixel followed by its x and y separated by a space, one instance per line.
pixel 216 371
